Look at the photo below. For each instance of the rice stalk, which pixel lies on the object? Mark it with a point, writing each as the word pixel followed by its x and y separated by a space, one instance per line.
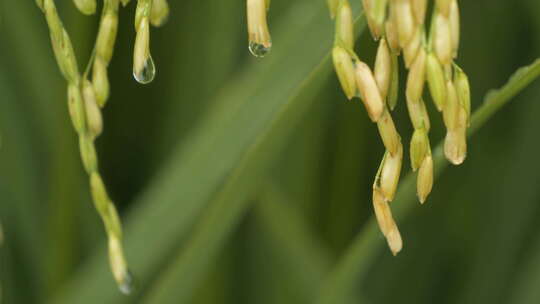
pixel 84 101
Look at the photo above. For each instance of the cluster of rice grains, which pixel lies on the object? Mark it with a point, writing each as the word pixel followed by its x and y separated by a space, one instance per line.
pixel 86 97
pixel 399 26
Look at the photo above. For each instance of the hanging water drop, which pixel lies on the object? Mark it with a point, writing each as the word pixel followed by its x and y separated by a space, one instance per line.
pixel 127 286
pixel 259 38
pixel 259 50
pixel 147 73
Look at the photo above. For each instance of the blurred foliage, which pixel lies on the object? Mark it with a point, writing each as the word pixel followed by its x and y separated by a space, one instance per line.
pixel 248 181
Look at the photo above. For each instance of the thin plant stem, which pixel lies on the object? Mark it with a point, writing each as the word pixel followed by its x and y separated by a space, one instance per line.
pixel 87 127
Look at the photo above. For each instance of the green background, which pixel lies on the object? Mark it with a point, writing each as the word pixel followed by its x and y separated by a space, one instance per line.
pixel 242 180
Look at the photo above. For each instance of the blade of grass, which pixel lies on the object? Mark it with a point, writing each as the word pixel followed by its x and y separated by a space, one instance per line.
pixel 356 260
pixel 305 259
pixel 348 168
pixel 526 284
pixel 46 105
pixel 250 108
pixel 19 195
pixel 283 260
pixel 210 70
pixel 298 171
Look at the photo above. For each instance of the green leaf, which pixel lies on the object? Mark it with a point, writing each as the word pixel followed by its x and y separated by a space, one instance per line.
pixel 306 261
pixel 495 99
pixel 43 102
pixel 526 284
pixel 19 189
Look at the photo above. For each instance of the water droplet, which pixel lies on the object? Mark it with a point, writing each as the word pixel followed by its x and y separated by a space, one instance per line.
pixel 259 50
pixel 127 286
pixel 147 74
